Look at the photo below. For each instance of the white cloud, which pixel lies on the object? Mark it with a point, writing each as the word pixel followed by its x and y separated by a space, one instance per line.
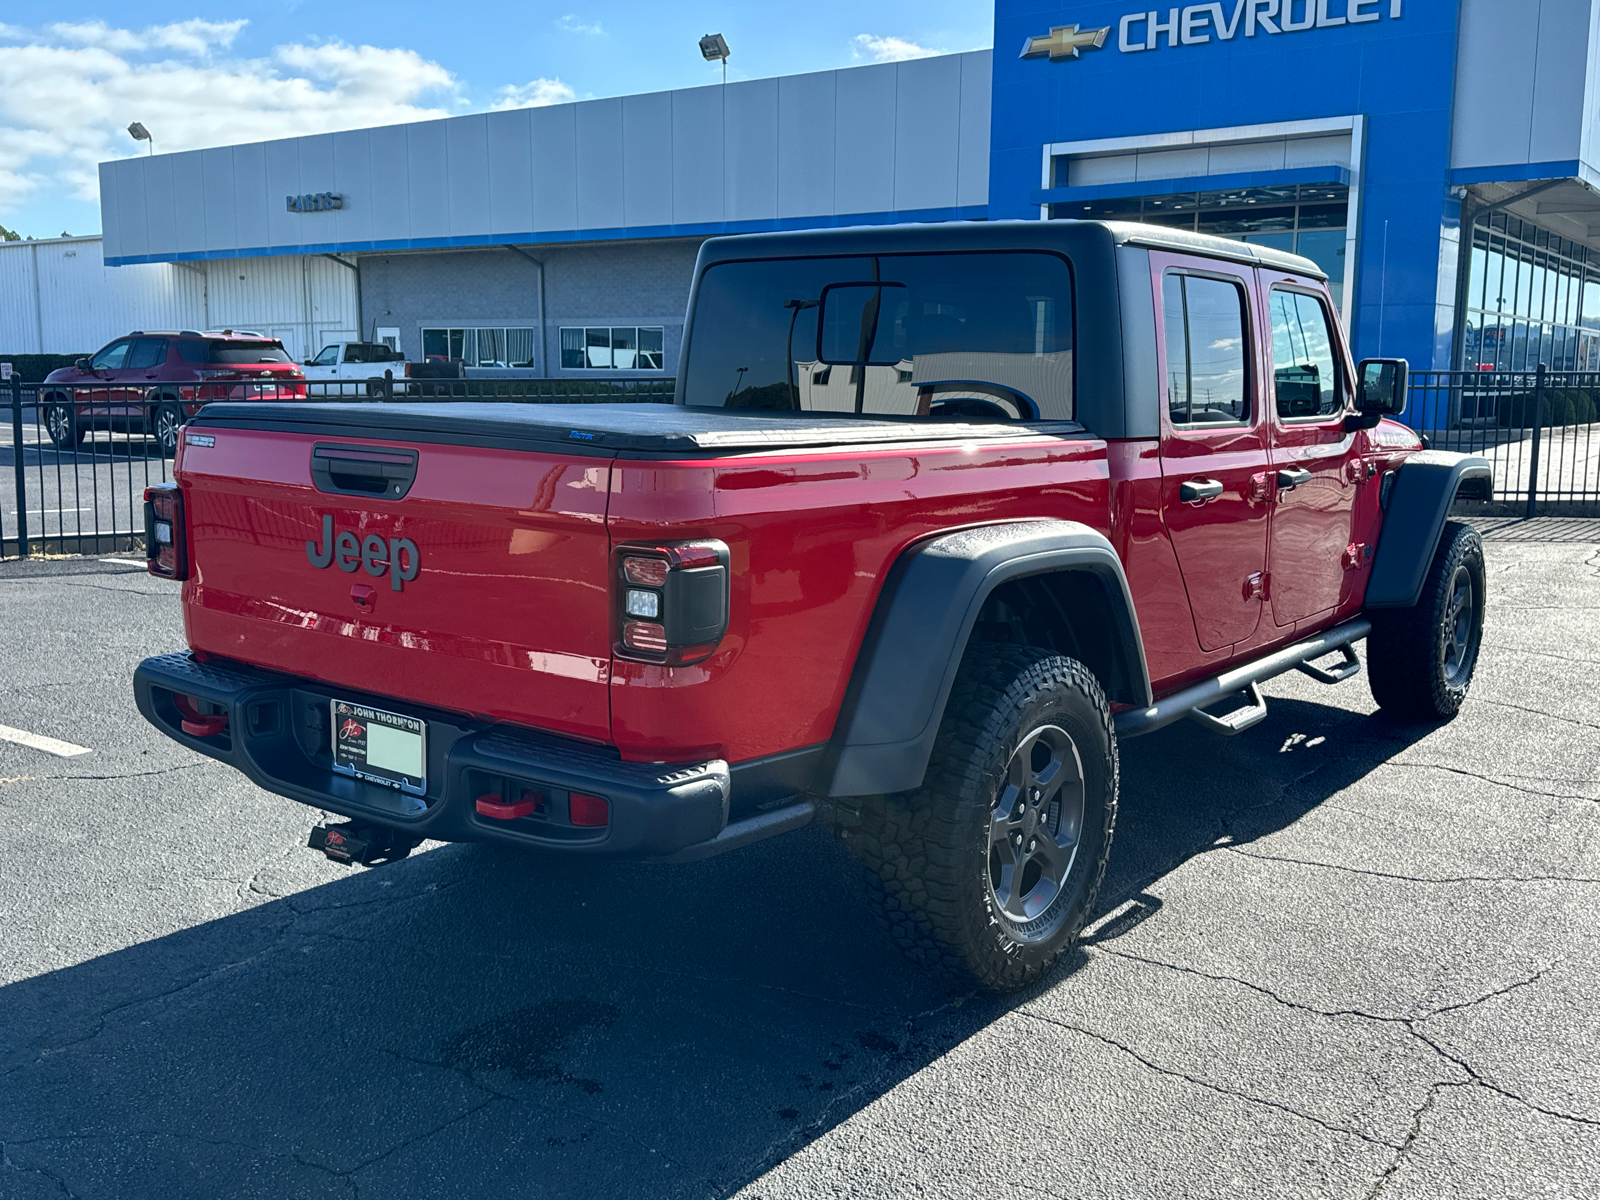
pixel 68 92
pixel 195 37
pixel 571 24
pixel 536 94
pixel 887 49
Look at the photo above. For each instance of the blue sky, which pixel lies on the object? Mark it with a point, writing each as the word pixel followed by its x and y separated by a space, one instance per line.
pixel 73 77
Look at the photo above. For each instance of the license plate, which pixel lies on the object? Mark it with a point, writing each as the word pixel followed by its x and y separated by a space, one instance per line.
pixel 381 747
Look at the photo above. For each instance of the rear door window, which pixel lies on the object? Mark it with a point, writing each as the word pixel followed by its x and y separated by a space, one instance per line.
pixel 1305 374
pixel 986 336
pixel 147 353
pixel 1207 373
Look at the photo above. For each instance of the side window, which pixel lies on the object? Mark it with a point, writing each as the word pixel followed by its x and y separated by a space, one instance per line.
pixel 1207 351
pixel 1305 374
pixel 328 356
pixel 112 357
pixel 147 353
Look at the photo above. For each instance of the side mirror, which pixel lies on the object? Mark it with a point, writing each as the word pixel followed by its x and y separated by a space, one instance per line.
pixel 82 364
pixel 1380 391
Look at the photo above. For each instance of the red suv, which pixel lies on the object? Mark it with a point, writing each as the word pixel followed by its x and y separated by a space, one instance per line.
pixel 151 383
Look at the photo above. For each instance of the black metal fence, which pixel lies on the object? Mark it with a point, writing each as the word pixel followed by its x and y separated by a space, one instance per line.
pixel 81 457
pixel 1538 428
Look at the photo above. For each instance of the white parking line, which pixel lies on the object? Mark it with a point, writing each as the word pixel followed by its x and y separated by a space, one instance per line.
pixel 126 562
pixel 38 741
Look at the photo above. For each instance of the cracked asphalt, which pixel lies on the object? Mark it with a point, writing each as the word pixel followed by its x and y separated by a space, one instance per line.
pixel 1336 957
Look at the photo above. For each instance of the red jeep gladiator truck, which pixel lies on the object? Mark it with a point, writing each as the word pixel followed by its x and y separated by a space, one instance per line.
pixel 941 513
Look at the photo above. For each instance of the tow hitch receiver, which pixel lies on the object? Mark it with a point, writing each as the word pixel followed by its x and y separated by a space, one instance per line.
pixel 354 842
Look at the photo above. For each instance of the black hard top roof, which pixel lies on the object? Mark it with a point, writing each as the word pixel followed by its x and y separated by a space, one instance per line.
pixel 995 235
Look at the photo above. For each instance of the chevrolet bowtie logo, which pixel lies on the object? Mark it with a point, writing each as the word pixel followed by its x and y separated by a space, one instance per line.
pixel 1064 41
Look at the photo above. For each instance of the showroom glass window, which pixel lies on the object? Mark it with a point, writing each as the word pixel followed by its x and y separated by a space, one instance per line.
pixel 1532 297
pixel 612 348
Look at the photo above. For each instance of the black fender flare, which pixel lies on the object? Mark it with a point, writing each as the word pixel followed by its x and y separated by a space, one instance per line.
pixel 1425 487
pixel 919 632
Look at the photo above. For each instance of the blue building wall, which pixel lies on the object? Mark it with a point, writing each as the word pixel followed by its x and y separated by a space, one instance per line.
pixel 1397 71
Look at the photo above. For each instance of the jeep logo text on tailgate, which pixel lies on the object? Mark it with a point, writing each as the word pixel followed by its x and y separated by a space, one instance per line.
pixel 398 556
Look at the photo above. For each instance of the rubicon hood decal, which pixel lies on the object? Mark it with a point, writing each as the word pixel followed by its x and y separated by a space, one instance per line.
pixel 398 557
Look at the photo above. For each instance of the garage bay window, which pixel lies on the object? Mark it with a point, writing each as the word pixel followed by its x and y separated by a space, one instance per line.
pixel 611 348
pixel 480 347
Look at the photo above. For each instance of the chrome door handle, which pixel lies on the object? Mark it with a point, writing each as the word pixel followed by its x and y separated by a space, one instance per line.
pixel 1293 479
pixel 1198 491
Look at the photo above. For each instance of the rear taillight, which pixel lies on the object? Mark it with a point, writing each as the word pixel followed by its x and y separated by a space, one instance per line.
pixel 672 600
pixel 166 542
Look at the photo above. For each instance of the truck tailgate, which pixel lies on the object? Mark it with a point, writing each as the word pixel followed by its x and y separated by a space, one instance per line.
pixel 506 615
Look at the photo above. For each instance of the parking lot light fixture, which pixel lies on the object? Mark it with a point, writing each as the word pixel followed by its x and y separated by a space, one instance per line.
pixel 140 134
pixel 714 47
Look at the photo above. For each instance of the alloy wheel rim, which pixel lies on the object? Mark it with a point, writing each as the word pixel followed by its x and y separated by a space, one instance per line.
pixel 166 430
pixel 58 423
pixel 1035 827
pixel 1457 628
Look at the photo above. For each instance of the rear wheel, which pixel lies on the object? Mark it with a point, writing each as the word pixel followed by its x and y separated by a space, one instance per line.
pixel 1420 660
pixel 165 423
pixel 992 867
pixel 61 423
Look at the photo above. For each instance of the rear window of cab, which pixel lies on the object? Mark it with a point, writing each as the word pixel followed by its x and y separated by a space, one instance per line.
pixel 965 336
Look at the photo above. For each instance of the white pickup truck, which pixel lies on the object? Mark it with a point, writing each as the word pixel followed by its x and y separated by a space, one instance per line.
pixel 355 361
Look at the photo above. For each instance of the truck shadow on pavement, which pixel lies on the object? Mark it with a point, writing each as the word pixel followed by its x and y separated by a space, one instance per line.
pixel 477 1021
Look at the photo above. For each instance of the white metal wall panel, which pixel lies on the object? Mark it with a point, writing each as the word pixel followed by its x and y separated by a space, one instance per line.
pixel 555 167
pixel 467 174
pixel 387 191
pixel 927 110
pixel 160 218
pixel 189 202
pixel 110 210
pixel 807 107
pixel 252 213
pixel 697 162
pixel 354 179
pixel 19 291
pixel 889 137
pixel 283 180
pixel 511 171
pixel 599 165
pixel 750 151
pixel 863 180
pixel 1521 74
pixel 647 159
pixel 427 162
pixel 220 197
pixel 972 167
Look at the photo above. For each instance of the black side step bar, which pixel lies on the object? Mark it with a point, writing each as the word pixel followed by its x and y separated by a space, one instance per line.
pixel 1188 703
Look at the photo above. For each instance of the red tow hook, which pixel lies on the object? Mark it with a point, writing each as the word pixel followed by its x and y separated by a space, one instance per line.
pixel 493 806
pixel 198 724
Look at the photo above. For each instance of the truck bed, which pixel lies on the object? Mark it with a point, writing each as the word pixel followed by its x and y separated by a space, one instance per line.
pixel 609 429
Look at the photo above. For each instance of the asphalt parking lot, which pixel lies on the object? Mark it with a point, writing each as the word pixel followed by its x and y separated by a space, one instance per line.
pixel 1337 957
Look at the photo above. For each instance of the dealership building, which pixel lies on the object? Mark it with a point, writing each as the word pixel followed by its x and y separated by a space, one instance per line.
pixel 1437 158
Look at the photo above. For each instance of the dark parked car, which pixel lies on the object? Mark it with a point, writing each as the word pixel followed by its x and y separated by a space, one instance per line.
pixel 151 383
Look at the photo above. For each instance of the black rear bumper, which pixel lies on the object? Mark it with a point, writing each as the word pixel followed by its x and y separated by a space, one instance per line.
pixel 277 735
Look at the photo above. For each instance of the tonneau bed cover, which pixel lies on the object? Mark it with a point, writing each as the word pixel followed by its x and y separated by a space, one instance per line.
pixel 605 428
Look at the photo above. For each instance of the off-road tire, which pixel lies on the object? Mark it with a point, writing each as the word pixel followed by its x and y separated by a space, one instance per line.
pixel 1420 660
pixel 62 424
pixel 928 851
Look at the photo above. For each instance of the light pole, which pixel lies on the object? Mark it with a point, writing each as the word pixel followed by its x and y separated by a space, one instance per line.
pixel 140 134
pixel 713 47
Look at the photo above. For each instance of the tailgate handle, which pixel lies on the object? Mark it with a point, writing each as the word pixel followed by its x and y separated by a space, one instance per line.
pixel 363 471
